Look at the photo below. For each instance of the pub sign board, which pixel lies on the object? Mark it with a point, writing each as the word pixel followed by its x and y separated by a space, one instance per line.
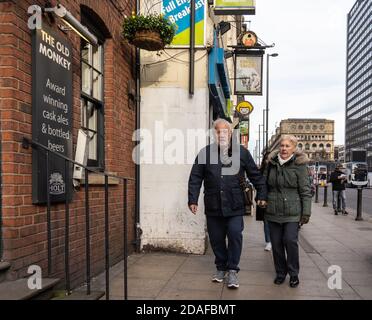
pixel 51 114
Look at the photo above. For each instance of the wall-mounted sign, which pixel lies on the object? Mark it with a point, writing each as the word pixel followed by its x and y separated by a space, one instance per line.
pixel 229 107
pixel 234 7
pixel 248 73
pixel 178 12
pixel 51 112
pixel 244 107
pixel 244 128
pixel 218 80
pixel 248 39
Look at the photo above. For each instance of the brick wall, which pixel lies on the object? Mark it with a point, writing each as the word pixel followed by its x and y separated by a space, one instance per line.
pixel 24 224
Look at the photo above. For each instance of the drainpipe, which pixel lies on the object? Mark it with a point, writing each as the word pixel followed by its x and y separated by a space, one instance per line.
pixel 192 48
pixel 1 200
pixel 137 228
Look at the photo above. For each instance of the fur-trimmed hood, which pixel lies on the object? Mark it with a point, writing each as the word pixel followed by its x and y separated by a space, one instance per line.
pixel 300 157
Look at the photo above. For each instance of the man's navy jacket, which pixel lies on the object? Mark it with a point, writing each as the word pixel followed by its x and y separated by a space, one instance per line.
pixel 223 195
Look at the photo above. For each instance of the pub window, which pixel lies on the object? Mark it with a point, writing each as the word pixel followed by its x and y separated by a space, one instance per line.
pixel 92 107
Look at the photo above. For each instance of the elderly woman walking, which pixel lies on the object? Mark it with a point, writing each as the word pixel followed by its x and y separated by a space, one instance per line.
pixel 289 204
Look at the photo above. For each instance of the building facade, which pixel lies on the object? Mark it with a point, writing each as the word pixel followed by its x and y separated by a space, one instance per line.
pixel 99 105
pixel 358 131
pixel 315 137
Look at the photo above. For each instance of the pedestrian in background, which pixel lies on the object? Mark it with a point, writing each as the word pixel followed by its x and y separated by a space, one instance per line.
pixel 268 245
pixel 289 204
pixel 338 180
pixel 224 199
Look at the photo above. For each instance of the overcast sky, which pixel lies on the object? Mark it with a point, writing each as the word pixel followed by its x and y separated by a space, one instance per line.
pixel 307 79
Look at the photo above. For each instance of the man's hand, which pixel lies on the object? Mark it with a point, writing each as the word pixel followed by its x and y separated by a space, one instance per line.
pixel 304 220
pixel 262 203
pixel 193 208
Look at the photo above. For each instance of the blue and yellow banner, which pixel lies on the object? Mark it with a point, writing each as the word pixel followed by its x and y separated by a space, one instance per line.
pixel 178 12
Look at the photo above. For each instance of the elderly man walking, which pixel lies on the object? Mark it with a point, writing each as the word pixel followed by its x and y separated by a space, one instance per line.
pixel 224 198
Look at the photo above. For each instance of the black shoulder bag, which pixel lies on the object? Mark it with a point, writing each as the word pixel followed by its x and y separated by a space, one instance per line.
pixel 247 191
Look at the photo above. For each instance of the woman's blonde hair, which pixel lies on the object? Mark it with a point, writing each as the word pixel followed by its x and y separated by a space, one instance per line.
pixel 290 138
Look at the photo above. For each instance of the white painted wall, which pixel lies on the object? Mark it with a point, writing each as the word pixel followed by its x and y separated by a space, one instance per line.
pixel 166 221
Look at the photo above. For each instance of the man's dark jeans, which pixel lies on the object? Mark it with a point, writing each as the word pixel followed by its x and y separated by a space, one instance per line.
pixel 226 257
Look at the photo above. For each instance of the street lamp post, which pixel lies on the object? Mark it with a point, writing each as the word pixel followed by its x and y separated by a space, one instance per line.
pixel 267 96
pixel 264 144
pixel 256 152
pixel 259 142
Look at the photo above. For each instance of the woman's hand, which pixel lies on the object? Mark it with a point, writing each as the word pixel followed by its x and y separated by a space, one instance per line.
pixel 304 220
pixel 262 203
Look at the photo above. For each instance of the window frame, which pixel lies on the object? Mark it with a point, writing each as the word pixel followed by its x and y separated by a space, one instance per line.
pixel 99 105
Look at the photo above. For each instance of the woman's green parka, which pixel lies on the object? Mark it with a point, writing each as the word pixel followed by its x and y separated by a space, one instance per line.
pixel 289 188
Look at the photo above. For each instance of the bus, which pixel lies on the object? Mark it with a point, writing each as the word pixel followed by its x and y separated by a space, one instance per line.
pixel 319 174
pixel 356 174
pixel 357 168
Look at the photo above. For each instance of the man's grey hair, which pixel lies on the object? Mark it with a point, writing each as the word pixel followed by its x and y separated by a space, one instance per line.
pixel 222 121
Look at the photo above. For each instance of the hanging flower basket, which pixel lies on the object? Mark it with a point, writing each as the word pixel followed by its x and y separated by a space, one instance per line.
pixel 148 40
pixel 151 32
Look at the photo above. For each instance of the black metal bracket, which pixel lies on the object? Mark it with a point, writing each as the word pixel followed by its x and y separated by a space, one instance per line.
pixel 26 143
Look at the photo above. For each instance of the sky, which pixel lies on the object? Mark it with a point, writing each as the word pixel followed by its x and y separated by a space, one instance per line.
pixel 307 79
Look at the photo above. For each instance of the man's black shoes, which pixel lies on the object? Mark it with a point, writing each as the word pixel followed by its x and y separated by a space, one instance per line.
pixel 294 282
pixel 279 280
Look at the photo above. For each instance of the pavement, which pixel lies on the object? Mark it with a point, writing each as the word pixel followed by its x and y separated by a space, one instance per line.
pixel 327 240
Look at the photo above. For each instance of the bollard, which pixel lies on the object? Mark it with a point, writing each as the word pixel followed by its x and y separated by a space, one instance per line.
pixel 316 193
pixel 359 205
pixel 325 204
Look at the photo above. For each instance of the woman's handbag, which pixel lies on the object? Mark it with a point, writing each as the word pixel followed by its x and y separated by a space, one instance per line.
pixel 248 199
pixel 247 191
pixel 260 213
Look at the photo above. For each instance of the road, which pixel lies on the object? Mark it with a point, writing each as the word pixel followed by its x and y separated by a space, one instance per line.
pixel 351 199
